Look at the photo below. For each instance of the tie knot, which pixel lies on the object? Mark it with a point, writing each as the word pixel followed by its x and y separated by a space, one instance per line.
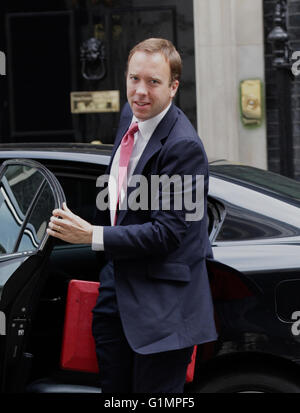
pixel 133 129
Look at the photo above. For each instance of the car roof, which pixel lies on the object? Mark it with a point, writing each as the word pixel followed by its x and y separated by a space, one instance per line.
pixel 258 179
pixel 77 152
pixel 58 146
pixel 236 173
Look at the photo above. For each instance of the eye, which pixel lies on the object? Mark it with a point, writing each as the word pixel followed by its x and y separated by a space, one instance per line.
pixel 154 82
pixel 134 78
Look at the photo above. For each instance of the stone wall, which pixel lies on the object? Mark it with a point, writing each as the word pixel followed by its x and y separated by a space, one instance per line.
pixel 229 47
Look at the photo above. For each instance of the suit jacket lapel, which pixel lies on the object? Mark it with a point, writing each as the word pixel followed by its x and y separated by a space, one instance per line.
pixel 153 146
pixel 155 142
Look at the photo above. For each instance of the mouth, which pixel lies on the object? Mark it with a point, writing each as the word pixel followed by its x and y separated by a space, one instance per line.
pixel 141 104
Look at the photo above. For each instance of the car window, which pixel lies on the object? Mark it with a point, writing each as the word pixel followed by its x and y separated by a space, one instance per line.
pixel 215 216
pixel 38 220
pixel 252 214
pixel 26 202
pixel 239 225
pixel 23 181
pixel 243 225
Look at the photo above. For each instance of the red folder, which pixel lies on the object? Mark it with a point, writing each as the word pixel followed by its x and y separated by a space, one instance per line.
pixel 78 347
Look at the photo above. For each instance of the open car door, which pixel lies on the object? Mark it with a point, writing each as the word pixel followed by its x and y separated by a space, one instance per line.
pixel 28 194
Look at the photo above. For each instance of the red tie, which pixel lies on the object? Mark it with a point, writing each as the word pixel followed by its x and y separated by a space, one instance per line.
pixel 125 153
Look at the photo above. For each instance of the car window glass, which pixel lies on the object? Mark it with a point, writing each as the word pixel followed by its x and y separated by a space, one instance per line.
pixel 23 182
pixel 25 201
pixel 244 225
pixel 38 220
pixel 252 214
pixel 10 223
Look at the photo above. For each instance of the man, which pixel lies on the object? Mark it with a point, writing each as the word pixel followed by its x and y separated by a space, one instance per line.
pixel 154 303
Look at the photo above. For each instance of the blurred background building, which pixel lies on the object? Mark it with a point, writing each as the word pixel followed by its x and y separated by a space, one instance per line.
pixel 65 63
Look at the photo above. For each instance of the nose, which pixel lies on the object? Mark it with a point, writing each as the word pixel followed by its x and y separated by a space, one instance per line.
pixel 141 89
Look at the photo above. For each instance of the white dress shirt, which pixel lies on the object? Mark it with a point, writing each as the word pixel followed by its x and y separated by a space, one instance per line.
pixel 141 138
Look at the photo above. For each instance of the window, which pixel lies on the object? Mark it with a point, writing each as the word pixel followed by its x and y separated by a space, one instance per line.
pixel 38 220
pixel 26 203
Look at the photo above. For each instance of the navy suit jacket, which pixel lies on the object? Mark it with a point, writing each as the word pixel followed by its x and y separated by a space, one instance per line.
pixel 161 281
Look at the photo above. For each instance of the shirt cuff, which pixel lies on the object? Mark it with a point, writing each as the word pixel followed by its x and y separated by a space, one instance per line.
pixel 97 241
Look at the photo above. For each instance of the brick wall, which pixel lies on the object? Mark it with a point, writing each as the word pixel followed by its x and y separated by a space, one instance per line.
pixel 293 26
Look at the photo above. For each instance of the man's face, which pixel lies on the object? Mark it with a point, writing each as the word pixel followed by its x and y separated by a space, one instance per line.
pixel 149 90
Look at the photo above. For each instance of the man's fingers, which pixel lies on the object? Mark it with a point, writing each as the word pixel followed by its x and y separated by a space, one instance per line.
pixel 62 213
pixel 59 221
pixel 66 208
pixel 54 234
pixel 56 225
pixel 62 210
pixel 64 224
pixel 68 227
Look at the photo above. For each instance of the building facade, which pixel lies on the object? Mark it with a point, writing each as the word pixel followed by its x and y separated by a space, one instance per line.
pixel 229 49
pixel 65 65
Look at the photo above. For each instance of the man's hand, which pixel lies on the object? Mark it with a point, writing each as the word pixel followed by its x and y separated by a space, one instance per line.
pixel 69 227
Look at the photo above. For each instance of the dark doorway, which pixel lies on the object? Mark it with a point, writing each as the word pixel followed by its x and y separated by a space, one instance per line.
pixel 45 67
pixel 40 74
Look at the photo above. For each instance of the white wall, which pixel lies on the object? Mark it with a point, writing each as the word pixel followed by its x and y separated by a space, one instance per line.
pixel 228 48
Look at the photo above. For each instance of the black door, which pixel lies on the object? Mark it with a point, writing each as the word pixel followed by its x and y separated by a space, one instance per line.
pixel 41 67
pixel 45 66
pixel 119 26
pixel 28 195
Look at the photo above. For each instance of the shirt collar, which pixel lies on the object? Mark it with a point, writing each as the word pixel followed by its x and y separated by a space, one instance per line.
pixel 148 126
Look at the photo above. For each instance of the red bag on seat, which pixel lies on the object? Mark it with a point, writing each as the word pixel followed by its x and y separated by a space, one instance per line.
pixel 78 347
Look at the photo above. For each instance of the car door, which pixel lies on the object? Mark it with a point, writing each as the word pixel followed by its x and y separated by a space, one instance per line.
pixel 28 194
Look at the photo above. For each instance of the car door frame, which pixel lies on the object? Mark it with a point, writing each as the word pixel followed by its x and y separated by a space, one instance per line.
pixel 19 302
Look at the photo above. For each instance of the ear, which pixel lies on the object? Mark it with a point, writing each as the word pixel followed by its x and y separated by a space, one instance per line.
pixel 174 88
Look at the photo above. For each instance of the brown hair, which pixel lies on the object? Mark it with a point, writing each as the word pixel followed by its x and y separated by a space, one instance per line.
pixel 166 48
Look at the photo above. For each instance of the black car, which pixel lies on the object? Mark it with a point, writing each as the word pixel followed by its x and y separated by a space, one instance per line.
pixel 254 226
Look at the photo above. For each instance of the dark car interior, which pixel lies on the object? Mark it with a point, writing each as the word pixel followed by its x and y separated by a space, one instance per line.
pixel 66 263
